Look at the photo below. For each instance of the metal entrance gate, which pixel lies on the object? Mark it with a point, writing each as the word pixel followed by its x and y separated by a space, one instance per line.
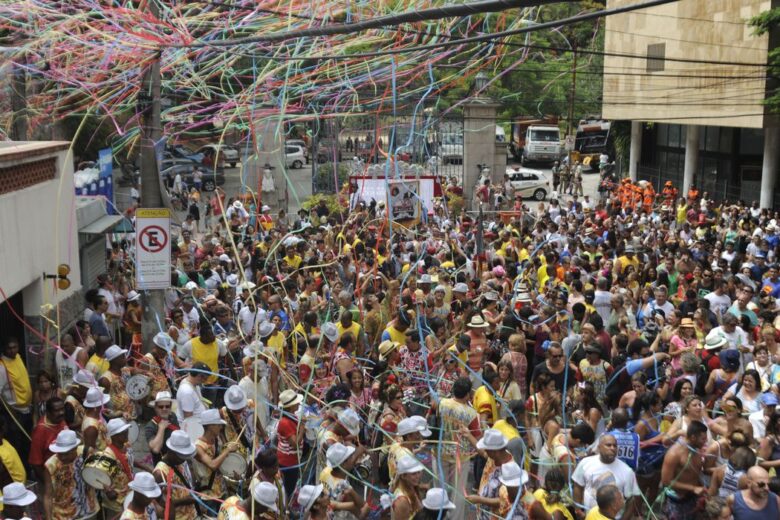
pixel 376 145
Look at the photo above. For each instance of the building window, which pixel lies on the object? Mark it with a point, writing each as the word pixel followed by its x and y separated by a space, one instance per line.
pixel 656 53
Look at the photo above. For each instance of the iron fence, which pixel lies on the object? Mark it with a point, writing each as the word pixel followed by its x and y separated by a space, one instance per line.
pixel 717 190
pixel 417 143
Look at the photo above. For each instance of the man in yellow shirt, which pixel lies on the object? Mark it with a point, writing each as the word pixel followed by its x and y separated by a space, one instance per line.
pixel 510 428
pixel 484 400
pixel 9 457
pixel 16 392
pixel 292 259
pixel 610 503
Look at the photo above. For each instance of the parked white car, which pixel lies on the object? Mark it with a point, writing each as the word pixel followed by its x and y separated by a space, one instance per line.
pixel 295 157
pixel 529 183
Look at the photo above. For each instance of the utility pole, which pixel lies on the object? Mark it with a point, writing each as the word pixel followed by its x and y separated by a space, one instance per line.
pixel 151 193
pixel 571 106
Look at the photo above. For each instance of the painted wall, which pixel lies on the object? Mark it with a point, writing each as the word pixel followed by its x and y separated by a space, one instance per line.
pixel 686 93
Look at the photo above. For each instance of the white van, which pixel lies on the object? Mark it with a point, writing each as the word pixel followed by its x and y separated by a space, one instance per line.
pixel 542 143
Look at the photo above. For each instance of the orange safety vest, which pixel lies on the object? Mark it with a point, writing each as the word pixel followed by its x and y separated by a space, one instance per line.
pixel 649 198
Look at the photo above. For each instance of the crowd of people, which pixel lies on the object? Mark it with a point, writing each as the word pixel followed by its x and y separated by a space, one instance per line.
pixel 615 359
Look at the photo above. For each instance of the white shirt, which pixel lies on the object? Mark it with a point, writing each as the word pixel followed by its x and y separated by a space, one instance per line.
pixel 190 317
pixel 719 305
pixel 113 308
pixel 738 337
pixel 593 474
pixel 66 367
pixel 249 320
pixel 188 399
pixel 758 422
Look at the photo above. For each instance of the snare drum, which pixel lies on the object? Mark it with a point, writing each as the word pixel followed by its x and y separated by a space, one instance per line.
pixel 99 471
pixel 133 432
pixel 233 470
pixel 192 426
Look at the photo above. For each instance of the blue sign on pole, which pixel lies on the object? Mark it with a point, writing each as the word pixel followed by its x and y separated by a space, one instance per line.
pixel 105 163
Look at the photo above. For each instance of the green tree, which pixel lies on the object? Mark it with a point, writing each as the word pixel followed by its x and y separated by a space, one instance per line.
pixel 765 23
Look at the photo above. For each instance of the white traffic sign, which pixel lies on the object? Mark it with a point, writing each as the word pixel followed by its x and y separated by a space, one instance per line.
pixel 153 248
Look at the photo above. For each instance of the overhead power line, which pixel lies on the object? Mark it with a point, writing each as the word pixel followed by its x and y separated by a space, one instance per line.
pixel 436 13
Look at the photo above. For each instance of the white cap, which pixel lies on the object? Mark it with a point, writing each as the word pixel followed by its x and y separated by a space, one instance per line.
pixel 266 495
pixel 224 258
pixel 408 464
pixel 413 424
pixel 163 396
pixel 66 440
pixel 330 331
pixel 265 208
pixel 308 495
pixel 492 440
pixel 117 426
pixel 210 416
pixel 113 352
pixel 96 398
pixel 164 341
pixel 237 204
pixel 266 329
pixel 235 398
pixel 436 499
pixel 133 296
pixel 190 286
pixel 338 454
pixel 460 288
pixel 15 494
pixel 180 443
pixel 512 475
pixel 350 420
pixel 289 398
pixel 84 378
pixel 232 280
pixel 144 483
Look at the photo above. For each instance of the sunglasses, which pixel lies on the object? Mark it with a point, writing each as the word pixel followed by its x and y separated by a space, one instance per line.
pixel 163 406
pixel 762 484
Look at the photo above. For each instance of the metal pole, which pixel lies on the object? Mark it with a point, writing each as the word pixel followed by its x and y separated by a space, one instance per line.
pixel 571 108
pixel 151 192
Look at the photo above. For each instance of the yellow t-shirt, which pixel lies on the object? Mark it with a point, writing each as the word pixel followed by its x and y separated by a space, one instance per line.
pixel 484 401
pixel 462 356
pixel 395 335
pixel 353 329
pixel 10 458
pixel 509 431
pixel 19 380
pixel 293 262
pixel 541 496
pixel 595 514
pixel 206 353
pixel 97 365
pixel 275 342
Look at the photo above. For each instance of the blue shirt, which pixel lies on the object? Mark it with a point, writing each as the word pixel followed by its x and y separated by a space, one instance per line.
pixel 627 446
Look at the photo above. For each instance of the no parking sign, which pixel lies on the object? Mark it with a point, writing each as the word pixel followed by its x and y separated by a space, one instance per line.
pixel 153 248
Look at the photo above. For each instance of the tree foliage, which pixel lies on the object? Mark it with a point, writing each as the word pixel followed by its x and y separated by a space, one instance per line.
pixel 764 23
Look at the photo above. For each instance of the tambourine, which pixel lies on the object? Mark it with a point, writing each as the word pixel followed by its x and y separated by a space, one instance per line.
pixel 137 387
pixel 234 466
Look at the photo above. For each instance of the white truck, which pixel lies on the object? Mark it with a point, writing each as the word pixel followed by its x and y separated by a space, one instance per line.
pixel 542 144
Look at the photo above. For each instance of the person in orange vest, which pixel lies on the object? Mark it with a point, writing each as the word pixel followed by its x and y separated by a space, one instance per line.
pixel 624 192
pixel 649 198
pixel 669 193
pixel 636 199
pixel 693 195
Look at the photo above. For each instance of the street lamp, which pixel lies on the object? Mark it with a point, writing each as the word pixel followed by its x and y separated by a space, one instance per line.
pixel 481 81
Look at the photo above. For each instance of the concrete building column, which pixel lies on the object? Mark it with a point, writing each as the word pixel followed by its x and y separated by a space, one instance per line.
pixel 691 157
pixel 769 167
pixel 479 144
pixel 636 149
